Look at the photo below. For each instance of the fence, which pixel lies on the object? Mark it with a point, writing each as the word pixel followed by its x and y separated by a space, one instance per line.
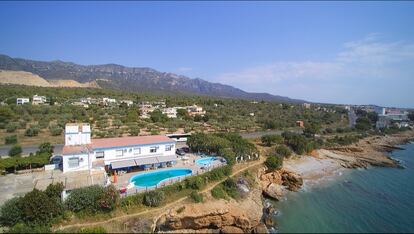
pixel 169 181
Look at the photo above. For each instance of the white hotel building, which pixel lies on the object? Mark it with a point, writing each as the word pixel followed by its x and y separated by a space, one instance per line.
pixel 82 153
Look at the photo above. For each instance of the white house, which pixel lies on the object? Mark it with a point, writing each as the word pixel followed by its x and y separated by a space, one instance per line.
pixel 21 101
pixel 127 102
pixel 171 112
pixel 83 153
pixel 38 100
pixel 108 101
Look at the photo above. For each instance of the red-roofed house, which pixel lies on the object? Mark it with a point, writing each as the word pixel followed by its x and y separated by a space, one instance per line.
pixel 83 153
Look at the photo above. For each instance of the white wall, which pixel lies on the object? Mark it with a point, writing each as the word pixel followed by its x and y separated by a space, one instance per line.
pixel 75 137
pixel 83 162
pixel 110 154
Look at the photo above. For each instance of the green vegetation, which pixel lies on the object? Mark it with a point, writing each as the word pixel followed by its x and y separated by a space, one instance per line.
pixel 93 230
pixel 223 115
pixel 9 140
pixel 227 145
pixel 93 199
pixel 16 150
pixel 274 162
pixel 197 197
pixel 283 151
pixel 37 160
pixel 34 211
pixel 268 140
pixel 218 192
pixel 301 144
pixel 154 198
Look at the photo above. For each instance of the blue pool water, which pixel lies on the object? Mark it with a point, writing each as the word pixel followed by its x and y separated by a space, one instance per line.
pixel 205 161
pixel 152 178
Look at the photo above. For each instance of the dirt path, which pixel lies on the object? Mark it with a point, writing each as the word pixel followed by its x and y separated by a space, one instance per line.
pixel 163 208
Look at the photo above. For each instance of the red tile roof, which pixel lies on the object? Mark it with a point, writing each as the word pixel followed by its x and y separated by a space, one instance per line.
pixel 126 141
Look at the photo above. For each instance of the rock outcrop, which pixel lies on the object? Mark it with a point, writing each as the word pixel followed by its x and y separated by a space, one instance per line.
pixel 274 183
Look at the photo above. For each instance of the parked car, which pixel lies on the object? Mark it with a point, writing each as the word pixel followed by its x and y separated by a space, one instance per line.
pixel 180 152
pixel 57 160
pixel 186 149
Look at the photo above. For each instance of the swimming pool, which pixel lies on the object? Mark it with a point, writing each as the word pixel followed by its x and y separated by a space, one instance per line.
pixel 153 178
pixel 205 161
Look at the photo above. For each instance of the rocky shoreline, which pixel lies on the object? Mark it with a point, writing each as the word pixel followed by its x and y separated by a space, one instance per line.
pixel 253 214
pixel 329 163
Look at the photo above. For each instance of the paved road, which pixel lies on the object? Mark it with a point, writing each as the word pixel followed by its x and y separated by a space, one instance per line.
pixel 4 150
pixel 262 133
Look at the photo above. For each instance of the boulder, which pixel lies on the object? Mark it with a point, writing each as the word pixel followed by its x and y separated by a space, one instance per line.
pixel 231 229
pixel 274 191
pixel 268 221
pixel 261 228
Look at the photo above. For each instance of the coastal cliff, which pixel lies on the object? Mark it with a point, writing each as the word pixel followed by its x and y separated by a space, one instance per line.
pixel 252 214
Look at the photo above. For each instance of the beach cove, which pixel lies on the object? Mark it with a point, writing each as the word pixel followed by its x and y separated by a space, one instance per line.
pixel 336 199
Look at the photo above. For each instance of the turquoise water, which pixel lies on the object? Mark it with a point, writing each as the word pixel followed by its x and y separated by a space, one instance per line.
pixel 205 161
pixel 373 200
pixel 152 178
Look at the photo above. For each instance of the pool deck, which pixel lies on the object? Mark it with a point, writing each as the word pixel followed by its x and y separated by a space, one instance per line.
pixel 123 180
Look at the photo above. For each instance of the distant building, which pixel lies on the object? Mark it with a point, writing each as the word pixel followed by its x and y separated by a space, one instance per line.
pixel 195 110
pixel 306 105
pixel 300 123
pixel 22 101
pixel 108 101
pixel 82 104
pixel 171 112
pixel 251 114
pixel 37 100
pixel 127 102
pixel 382 122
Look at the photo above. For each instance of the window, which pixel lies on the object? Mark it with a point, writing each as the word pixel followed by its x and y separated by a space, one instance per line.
pixel 154 149
pixel 168 147
pixel 137 151
pixel 73 162
pixel 119 153
pixel 100 154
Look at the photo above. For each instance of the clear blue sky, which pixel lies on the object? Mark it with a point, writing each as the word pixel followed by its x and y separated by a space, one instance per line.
pixel 342 52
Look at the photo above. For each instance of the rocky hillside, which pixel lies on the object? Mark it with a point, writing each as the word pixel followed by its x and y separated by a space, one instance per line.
pixel 28 78
pixel 130 78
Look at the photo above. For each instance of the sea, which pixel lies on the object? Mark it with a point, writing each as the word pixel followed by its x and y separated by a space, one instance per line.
pixel 363 200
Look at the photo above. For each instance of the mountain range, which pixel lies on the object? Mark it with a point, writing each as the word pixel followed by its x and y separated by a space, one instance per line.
pixel 135 79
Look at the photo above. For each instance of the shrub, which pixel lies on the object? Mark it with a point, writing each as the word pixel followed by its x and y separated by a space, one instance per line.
pixel 55 130
pixel 16 150
pixel 133 131
pixel 39 209
pixel 195 182
pixel 197 197
pixel 230 187
pixel 11 127
pixel 110 198
pixel 283 151
pixel 32 131
pixel 274 162
pixel 10 212
pixel 268 140
pixel 54 190
pixel 218 192
pixel 154 198
pixel 85 199
pixel 93 230
pixel 24 228
pixel 46 148
pixel 9 140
